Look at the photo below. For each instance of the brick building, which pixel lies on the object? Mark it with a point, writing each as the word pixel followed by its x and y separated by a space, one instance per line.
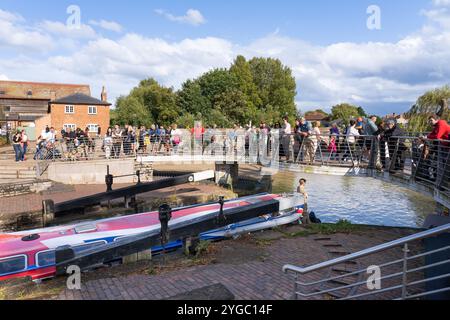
pixel 32 106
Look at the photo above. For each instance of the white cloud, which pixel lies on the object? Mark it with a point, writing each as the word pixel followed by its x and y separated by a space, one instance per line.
pixel 15 33
pixel 107 25
pixel 368 73
pixel 192 16
pixel 62 30
pixel 3 77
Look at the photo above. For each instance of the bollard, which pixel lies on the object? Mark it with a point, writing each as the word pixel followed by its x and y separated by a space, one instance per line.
pixel 221 219
pixel 48 212
pixel 109 180
pixel 165 214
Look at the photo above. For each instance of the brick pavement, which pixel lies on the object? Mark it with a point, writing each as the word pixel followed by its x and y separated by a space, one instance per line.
pixel 257 278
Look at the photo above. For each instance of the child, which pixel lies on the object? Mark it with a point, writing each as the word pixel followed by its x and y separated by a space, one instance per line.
pixel 302 189
pixel 332 148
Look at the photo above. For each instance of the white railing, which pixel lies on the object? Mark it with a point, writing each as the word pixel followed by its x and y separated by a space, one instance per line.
pixel 404 289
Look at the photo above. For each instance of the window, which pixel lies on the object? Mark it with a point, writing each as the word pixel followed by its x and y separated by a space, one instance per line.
pixel 46 258
pixel 93 128
pixel 92 110
pixel 89 246
pixel 70 109
pixel 13 265
pixel 72 127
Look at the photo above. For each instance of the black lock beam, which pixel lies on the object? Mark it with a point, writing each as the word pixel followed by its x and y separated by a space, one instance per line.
pixel 178 231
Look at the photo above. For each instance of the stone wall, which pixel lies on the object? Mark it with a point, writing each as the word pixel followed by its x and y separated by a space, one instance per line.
pixel 91 172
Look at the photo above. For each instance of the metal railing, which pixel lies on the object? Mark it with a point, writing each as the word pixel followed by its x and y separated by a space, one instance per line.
pixel 415 158
pixel 401 278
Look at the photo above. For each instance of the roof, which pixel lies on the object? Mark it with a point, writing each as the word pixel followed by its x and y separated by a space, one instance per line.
pixel 40 90
pixel 316 116
pixel 80 98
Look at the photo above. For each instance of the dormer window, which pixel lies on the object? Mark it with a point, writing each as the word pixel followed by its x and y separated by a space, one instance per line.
pixel 29 93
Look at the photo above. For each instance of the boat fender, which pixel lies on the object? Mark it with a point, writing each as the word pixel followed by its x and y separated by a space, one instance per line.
pixel 313 218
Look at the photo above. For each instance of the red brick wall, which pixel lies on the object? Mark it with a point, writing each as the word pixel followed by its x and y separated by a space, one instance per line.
pixel 80 118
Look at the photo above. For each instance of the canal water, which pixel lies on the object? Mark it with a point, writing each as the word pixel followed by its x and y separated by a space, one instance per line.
pixel 359 200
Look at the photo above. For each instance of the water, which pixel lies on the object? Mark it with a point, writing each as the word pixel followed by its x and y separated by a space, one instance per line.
pixel 359 200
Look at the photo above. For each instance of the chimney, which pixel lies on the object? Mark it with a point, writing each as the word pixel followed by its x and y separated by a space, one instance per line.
pixel 104 95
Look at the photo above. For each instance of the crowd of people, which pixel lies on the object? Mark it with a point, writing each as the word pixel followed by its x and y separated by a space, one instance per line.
pixel 363 140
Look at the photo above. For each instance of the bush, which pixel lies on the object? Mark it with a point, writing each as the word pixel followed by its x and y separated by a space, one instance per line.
pixel 3 141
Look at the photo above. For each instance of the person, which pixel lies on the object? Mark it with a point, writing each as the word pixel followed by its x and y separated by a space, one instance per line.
pixel 286 138
pixel 175 137
pixel 108 143
pixel 302 189
pixel 312 143
pixel 332 148
pixel 396 146
pixel 142 134
pixel 17 145
pixel 24 144
pixel 335 130
pixel 352 135
pixel 302 132
pixel 440 144
pixel 117 141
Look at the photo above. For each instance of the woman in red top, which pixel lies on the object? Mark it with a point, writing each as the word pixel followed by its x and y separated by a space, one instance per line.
pixel 441 143
pixel 441 129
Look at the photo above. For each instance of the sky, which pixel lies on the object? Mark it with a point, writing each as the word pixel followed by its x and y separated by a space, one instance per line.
pixel 334 55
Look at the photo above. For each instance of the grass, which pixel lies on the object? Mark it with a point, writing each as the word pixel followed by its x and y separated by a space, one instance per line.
pixel 343 226
pixel 202 248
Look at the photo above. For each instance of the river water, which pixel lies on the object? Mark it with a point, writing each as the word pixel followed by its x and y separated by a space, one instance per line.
pixel 359 200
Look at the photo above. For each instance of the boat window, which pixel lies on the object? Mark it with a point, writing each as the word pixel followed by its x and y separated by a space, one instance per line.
pixel 46 258
pixel 84 228
pixel 13 265
pixel 88 246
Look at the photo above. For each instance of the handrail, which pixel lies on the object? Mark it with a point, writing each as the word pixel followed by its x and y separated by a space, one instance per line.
pixel 366 252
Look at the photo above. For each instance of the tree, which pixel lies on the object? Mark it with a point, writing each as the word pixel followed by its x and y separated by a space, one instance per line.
pixel 432 102
pixel 131 110
pixel 190 99
pixel 362 112
pixel 233 104
pixel 159 101
pixel 276 87
pixel 344 112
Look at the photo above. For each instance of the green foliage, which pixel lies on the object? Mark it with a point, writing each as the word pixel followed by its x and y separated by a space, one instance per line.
pixel 432 102
pixel 2 141
pixel 345 112
pixel 362 112
pixel 261 89
pixel 131 110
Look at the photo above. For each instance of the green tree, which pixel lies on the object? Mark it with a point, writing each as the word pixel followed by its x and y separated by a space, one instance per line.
pixel 233 104
pixel 362 112
pixel 432 102
pixel 191 100
pixel 276 87
pixel 159 101
pixel 131 110
pixel 215 82
pixel 345 112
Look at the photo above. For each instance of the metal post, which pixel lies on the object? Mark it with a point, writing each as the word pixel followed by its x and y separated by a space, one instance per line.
pixel 405 270
pixel 138 173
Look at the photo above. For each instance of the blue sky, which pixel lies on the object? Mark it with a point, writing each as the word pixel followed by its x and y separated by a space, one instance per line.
pixel 333 54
